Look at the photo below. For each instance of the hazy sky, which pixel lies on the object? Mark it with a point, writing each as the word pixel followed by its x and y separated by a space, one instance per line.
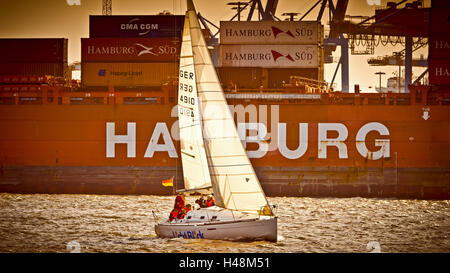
pixel 56 19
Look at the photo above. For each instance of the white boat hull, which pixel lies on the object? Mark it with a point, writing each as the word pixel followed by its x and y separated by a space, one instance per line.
pixel 245 230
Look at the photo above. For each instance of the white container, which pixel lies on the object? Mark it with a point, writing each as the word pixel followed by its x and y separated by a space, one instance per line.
pixel 270 56
pixel 271 32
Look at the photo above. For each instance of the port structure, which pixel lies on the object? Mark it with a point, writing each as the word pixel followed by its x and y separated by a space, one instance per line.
pixel 389 25
pixel 266 13
pixel 107 7
pixel 263 13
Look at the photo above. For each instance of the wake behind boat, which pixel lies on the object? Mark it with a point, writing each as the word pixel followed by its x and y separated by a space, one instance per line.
pixel 212 154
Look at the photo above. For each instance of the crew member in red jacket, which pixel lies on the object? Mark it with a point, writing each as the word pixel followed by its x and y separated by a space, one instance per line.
pixel 210 201
pixel 179 201
pixel 173 215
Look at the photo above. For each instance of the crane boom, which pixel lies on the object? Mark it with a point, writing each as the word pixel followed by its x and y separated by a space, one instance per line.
pixel 107 7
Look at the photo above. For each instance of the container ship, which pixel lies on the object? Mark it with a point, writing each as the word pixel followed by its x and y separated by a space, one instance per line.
pixel 116 131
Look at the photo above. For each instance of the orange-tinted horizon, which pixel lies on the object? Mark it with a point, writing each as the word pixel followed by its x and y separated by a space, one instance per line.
pixel 58 19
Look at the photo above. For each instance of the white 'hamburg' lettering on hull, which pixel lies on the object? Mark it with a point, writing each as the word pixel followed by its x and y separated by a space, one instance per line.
pixel 161 131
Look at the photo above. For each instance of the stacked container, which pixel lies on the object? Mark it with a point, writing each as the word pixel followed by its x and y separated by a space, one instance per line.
pixel 267 53
pixel 131 51
pixel 38 57
pixel 439 45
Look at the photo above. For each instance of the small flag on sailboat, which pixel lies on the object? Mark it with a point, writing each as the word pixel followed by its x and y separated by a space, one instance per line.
pixel 168 182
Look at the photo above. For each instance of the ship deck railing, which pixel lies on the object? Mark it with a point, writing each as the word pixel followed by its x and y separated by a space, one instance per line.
pixel 167 94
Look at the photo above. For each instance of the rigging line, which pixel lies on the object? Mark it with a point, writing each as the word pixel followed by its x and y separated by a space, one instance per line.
pixel 225 203
pixel 174 188
pixel 205 64
pixel 220 156
pixel 232 174
pixel 199 46
pixel 232 193
pixel 186 107
pixel 215 101
pixel 188 126
pixel 245 192
pixel 193 156
pixel 216 119
pixel 223 138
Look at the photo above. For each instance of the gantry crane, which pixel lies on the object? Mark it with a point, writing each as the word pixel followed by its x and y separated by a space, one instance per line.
pixel 407 25
pixel 107 7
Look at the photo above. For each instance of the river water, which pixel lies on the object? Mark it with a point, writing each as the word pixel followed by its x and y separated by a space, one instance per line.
pixel 107 223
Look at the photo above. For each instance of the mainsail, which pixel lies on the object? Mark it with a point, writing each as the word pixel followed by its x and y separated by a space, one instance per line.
pixel 195 167
pixel 233 178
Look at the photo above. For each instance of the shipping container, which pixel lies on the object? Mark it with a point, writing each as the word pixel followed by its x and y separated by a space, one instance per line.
pixel 127 74
pixel 439 71
pixel 33 50
pixel 271 32
pixel 23 79
pixel 135 26
pixel 270 56
pixel 37 69
pixel 439 46
pixel 130 49
pixel 439 20
pixel 241 77
pixel 402 17
pixel 440 4
pixel 279 76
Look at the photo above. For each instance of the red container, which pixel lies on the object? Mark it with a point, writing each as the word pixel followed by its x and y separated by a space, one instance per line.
pixel 439 71
pixel 439 46
pixel 402 17
pixel 130 49
pixel 439 20
pixel 33 50
pixel 137 26
pixel 37 69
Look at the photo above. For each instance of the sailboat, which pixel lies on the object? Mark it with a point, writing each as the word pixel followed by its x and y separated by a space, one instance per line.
pixel 212 155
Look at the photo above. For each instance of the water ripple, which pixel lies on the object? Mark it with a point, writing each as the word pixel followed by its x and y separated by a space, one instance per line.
pixel 101 223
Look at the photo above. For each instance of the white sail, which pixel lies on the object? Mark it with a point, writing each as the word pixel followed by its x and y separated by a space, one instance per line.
pixel 193 157
pixel 233 178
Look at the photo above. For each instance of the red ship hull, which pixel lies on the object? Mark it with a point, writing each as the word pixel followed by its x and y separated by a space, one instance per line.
pixel 342 149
